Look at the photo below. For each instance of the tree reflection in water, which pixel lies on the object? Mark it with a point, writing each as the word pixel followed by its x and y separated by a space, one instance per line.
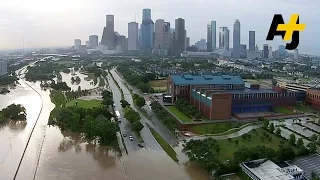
pixel 14 126
pixel 104 155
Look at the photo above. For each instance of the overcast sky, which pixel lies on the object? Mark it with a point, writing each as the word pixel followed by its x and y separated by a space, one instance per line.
pixel 49 23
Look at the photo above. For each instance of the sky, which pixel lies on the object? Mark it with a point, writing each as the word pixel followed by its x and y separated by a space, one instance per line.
pixel 50 23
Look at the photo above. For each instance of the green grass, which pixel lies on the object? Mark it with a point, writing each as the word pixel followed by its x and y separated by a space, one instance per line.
pixel 304 108
pixel 165 146
pixel 215 128
pixel 85 103
pixel 229 148
pixel 282 110
pixel 179 114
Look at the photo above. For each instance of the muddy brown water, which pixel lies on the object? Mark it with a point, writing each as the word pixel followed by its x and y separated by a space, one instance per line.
pixel 54 154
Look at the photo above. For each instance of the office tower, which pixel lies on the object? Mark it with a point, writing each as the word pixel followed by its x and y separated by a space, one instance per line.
pixel 252 40
pixel 211 36
pixel 93 41
pixel 77 44
pixel 87 44
pixel 270 52
pixel 167 37
pixel 133 36
pixel 180 37
pixel 282 51
pixel 265 51
pixel 187 42
pixel 295 54
pixel 243 50
pixel 147 30
pixel 257 48
pixel 120 42
pixel 3 67
pixel 201 45
pixel 159 34
pixel 236 39
pixel 224 38
pixel 108 33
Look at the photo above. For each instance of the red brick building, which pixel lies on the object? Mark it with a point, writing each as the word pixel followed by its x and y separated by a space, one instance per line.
pixel 313 98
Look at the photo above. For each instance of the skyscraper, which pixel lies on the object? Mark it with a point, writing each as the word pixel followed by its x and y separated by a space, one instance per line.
pixel 243 50
pixel 3 67
pixel 147 30
pixel 108 37
pixel 270 52
pixel 211 36
pixel 224 38
pixel 167 36
pixel 77 43
pixel 295 54
pixel 236 39
pixel 265 51
pixel 159 34
pixel 282 51
pixel 93 41
pixel 180 36
pixel 252 40
pixel 133 36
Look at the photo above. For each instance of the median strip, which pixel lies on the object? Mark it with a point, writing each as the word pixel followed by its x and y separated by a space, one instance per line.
pixel 165 146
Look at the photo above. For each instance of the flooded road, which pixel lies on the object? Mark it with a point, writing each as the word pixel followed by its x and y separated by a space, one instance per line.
pixel 53 154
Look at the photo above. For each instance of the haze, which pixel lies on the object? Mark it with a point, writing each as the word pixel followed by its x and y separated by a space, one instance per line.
pixel 49 23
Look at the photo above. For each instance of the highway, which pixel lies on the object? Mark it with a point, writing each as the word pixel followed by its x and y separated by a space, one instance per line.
pixel 149 141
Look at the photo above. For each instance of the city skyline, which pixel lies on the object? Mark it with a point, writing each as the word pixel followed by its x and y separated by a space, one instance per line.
pixel 60 31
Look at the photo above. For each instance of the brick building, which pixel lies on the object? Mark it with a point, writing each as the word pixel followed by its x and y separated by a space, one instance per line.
pixel 218 97
pixel 313 98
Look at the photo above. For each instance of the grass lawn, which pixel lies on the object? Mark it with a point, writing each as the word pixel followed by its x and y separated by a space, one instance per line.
pixel 85 103
pixel 304 108
pixel 159 85
pixel 214 128
pixel 229 148
pixel 179 114
pixel 165 146
pixel 282 110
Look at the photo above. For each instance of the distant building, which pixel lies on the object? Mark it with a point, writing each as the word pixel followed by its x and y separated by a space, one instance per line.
pixel 3 67
pixel 224 38
pixel 180 36
pixel 295 54
pixel 93 41
pixel 305 60
pixel 133 36
pixel 236 39
pixel 77 44
pixel 167 37
pixel 108 33
pixel 147 31
pixel 243 50
pixel 160 52
pixel 252 40
pixel 201 45
pixel 159 34
pixel 256 48
pixel 187 42
pixel 120 42
pixel 87 44
pixel 270 52
pixel 282 51
pixel 211 36
pixel 265 51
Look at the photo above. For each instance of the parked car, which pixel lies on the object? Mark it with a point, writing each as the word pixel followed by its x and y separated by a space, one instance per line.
pixel 140 145
pixel 124 134
pixel 130 138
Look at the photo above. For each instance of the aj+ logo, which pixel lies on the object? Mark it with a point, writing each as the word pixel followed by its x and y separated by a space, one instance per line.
pixel 288 31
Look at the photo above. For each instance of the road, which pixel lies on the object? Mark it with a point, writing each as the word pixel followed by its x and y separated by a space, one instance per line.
pixel 156 124
pixel 149 141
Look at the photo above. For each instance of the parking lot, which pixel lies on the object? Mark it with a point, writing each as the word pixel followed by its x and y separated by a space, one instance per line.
pixel 308 164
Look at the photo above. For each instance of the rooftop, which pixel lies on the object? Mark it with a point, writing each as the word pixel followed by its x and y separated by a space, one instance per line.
pixel 205 79
pixel 251 91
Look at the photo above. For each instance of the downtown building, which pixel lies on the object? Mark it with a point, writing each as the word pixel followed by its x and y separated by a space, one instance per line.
pixel 179 37
pixel 147 31
pixel 236 39
pixel 77 44
pixel 93 41
pixel 162 30
pixel 133 36
pixel 265 51
pixel 108 36
pixel 224 38
pixel 211 36
pixel 252 40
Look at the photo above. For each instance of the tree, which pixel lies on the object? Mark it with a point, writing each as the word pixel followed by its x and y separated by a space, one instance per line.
pixel 299 142
pixel 314 138
pixel 140 101
pixel 278 132
pixel 137 126
pixel 229 139
pixel 292 139
pixel 312 147
pixel 285 153
pixel 249 137
pixel 265 124
pixel 124 103
pixel 14 112
pixel 197 116
pixel 271 127
pixel 236 142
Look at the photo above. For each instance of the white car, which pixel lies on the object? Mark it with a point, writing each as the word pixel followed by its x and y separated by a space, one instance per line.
pixel 130 138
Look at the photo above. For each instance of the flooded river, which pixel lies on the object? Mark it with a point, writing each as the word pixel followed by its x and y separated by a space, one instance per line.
pixel 53 154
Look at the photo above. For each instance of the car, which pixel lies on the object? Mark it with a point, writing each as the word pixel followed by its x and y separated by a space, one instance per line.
pixel 124 134
pixel 140 145
pixel 130 138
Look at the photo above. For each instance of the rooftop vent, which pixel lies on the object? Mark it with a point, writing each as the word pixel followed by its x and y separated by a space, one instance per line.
pixel 187 77
pixel 226 77
pixel 207 77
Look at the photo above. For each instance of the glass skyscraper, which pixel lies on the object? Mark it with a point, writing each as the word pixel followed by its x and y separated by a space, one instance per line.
pixel 147 30
pixel 211 36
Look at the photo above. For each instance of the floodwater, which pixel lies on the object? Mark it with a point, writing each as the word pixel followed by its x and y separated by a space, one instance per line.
pixel 84 84
pixel 53 154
